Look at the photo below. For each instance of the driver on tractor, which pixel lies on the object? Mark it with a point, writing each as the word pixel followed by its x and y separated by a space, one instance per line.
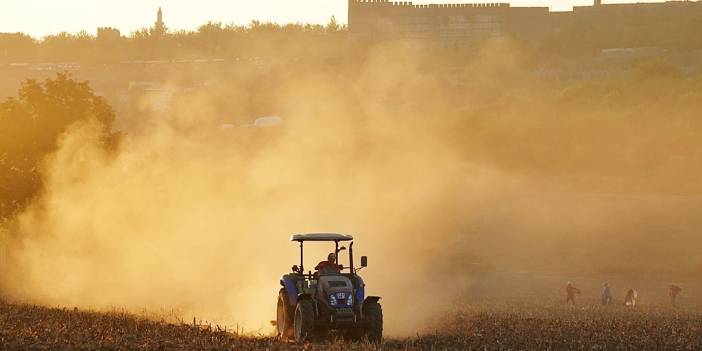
pixel 329 266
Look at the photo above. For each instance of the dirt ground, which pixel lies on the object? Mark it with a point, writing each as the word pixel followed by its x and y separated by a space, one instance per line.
pixel 483 326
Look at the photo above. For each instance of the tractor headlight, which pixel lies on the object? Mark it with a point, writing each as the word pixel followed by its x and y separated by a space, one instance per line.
pixel 350 300
pixel 332 300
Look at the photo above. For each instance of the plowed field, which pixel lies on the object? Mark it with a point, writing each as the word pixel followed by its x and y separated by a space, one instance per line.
pixel 479 327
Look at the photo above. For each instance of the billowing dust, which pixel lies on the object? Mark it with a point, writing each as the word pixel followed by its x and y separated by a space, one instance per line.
pixel 435 181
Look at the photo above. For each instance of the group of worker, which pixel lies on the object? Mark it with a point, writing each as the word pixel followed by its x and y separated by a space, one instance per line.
pixel 630 298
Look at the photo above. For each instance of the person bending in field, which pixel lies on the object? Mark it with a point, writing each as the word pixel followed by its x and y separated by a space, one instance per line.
pixel 329 266
pixel 674 292
pixel 571 291
pixel 631 297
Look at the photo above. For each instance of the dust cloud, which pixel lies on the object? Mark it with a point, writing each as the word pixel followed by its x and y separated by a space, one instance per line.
pixel 438 183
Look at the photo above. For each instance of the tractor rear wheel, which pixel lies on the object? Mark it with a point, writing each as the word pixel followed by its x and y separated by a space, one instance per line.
pixel 373 313
pixel 304 320
pixel 284 320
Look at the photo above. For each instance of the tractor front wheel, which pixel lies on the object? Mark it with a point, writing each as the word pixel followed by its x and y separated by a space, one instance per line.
pixel 304 320
pixel 373 313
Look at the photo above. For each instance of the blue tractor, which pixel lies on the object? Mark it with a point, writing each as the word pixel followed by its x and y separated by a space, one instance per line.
pixel 310 305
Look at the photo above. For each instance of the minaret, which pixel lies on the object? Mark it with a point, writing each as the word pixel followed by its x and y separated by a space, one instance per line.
pixel 159 26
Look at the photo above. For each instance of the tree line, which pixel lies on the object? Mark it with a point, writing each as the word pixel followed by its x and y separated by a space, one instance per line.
pixel 213 39
pixel 575 37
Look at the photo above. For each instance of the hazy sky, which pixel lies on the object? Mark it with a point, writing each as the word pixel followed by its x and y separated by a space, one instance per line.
pixel 41 17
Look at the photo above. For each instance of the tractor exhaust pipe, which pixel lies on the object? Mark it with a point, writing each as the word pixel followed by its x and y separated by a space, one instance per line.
pixel 353 271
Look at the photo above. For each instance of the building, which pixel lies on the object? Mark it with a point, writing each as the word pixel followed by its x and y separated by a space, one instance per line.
pixel 159 26
pixel 108 34
pixel 446 25
pixel 466 25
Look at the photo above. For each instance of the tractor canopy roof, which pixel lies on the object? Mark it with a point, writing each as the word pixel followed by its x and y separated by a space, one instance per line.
pixel 321 237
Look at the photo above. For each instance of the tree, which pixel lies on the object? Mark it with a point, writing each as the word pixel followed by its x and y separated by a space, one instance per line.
pixel 333 26
pixel 31 125
pixel 16 47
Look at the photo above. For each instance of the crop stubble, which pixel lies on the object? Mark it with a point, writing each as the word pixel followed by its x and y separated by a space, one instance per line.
pixel 470 326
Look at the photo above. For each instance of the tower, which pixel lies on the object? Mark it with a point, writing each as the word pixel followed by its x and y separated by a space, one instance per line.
pixel 598 2
pixel 159 26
